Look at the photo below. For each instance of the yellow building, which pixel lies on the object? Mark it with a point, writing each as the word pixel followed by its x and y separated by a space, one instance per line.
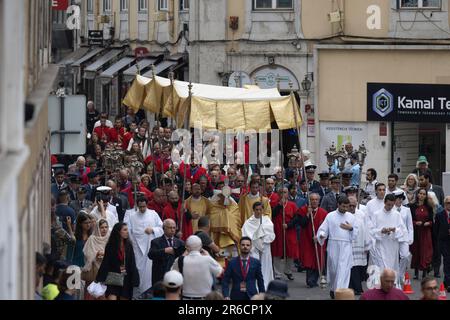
pixel 25 82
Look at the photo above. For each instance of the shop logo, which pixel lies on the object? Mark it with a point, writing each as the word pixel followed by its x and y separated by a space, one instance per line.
pixel 382 102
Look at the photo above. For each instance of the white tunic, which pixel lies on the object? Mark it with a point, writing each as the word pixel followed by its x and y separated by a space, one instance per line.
pixel 405 213
pixel 110 217
pixel 339 247
pixel 141 244
pixel 386 250
pixel 372 206
pixel 262 234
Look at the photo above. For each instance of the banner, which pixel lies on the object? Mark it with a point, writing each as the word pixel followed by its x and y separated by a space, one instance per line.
pixel 60 4
pixel 408 102
pixel 340 133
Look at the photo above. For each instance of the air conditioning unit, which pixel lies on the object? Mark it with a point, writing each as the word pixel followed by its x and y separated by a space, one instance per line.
pixel 335 16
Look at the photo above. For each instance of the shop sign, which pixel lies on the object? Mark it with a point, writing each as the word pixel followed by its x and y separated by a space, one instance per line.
pixel 408 102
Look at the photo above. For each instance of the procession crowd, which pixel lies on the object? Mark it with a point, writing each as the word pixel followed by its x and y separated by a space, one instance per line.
pixel 142 221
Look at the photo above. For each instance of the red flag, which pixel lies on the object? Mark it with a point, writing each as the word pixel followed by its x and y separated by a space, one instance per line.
pixel 60 4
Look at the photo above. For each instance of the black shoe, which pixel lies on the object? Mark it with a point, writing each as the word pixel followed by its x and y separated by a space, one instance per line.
pixel 424 273
pixel 358 293
pixel 332 294
pixel 416 274
pixel 289 276
pixel 448 289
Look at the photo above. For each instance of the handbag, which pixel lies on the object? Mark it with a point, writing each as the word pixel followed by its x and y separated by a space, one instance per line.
pixel 115 279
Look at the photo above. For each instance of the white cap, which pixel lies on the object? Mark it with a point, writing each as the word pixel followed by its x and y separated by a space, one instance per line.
pixel 104 189
pixel 173 279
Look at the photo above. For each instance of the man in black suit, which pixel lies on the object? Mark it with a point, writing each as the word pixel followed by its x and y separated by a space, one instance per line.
pixel 442 225
pixel 329 201
pixel 244 273
pixel 164 250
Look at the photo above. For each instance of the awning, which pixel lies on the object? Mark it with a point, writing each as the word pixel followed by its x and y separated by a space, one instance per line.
pixel 160 67
pixel 74 56
pixel 112 71
pixel 130 74
pixel 87 57
pixel 91 71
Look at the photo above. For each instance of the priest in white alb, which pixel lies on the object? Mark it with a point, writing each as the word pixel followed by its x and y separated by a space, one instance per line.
pixel 259 228
pixel 340 229
pixel 388 230
pixel 144 226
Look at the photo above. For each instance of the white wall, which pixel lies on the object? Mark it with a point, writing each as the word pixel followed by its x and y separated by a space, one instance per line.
pixel 379 156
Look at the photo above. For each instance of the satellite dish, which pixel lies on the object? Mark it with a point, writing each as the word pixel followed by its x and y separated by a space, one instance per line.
pixel 241 77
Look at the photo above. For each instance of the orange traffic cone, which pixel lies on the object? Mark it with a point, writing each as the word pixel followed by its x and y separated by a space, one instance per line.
pixel 407 285
pixel 442 292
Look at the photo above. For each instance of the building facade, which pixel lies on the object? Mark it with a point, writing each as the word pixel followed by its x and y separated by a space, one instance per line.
pixel 26 79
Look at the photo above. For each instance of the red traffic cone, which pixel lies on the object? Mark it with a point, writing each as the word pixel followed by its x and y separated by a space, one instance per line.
pixel 442 292
pixel 407 285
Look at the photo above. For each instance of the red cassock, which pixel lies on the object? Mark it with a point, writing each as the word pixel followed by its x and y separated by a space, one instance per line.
pixel 159 208
pixel 166 165
pixel 102 132
pixel 113 135
pixel 193 177
pixel 169 213
pixel 141 188
pixel 274 199
pixel 307 249
pixel 126 140
pixel 291 234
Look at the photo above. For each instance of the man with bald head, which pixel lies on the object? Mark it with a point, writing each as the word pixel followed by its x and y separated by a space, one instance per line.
pixel 158 202
pixel 273 197
pixel 79 168
pixel 197 205
pixel 388 291
pixel 182 218
pixel 164 250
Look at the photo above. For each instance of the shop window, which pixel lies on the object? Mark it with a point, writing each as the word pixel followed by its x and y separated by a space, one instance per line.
pixel 272 5
pixel 420 4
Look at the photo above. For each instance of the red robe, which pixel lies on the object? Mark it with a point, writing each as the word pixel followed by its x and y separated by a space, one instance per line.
pixel 194 178
pixel 159 208
pixel 140 188
pixel 102 132
pixel 274 199
pixel 306 245
pixel 291 233
pixel 126 140
pixel 166 165
pixel 113 134
pixel 186 228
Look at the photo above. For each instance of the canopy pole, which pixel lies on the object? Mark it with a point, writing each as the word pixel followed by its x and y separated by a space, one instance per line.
pixel 159 126
pixel 187 127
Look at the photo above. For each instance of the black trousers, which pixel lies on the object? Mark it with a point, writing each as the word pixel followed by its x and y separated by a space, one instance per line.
pixel 312 277
pixel 356 278
pixel 444 245
pixel 436 260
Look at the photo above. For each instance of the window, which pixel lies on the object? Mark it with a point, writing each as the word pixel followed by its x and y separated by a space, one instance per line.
pixel 90 6
pixel 106 5
pixel 123 5
pixel 142 5
pixel 163 5
pixel 417 4
pixel 272 4
pixel 184 5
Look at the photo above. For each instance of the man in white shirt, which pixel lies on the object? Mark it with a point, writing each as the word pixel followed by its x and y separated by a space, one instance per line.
pixel 109 124
pixel 371 177
pixel 392 186
pixel 340 230
pixel 388 231
pixel 405 213
pixel 198 268
pixel 101 212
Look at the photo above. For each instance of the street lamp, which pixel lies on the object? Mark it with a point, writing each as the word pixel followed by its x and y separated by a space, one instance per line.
pixel 306 84
pixel 361 153
pixel 330 154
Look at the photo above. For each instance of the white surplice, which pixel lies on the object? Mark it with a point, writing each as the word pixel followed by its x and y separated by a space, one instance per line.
pixel 141 244
pixel 408 239
pixel 262 234
pixel 362 242
pixel 372 206
pixel 339 247
pixel 387 246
